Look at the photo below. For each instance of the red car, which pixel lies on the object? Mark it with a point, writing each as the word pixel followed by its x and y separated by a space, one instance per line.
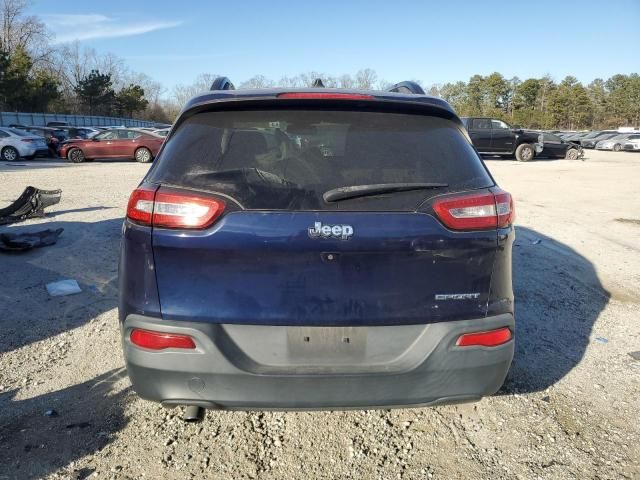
pixel 117 143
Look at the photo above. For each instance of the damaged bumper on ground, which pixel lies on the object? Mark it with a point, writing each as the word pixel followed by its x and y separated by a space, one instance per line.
pixel 30 204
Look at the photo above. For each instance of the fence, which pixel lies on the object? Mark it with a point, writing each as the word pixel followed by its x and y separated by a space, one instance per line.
pixel 41 119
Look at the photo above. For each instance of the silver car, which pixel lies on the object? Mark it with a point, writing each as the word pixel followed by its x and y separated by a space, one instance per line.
pixel 632 145
pixel 15 144
pixel 617 143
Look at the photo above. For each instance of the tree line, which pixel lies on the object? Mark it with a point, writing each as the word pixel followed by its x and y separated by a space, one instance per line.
pixel 543 103
pixel 531 103
pixel 38 76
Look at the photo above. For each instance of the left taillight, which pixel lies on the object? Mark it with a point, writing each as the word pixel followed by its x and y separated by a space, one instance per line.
pixel 479 211
pixel 168 208
pixel 140 206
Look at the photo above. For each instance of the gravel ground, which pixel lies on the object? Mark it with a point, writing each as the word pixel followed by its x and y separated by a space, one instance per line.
pixel 567 410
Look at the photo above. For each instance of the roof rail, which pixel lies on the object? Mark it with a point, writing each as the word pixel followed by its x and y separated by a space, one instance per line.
pixel 317 83
pixel 222 83
pixel 407 87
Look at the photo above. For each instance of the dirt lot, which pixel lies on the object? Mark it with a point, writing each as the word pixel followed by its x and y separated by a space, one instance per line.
pixel 569 408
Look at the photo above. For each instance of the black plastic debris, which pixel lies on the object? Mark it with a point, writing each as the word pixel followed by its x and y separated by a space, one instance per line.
pixel 80 425
pixel 30 204
pixel 16 242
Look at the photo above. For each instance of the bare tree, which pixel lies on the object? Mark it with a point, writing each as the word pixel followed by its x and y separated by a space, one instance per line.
pixel 170 108
pixel 73 64
pixel 290 82
pixel 329 81
pixel 181 94
pixel 152 90
pixel 346 81
pixel 307 80
pixel 114 66
pixel 383 84
pixel 366 79
pixel 257 81
pixel 18 31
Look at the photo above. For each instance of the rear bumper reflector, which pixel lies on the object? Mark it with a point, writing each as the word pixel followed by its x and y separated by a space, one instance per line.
pixel 491 338
pixel 159 340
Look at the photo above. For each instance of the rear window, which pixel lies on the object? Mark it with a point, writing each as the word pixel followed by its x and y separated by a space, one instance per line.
pixel 481 124
pixel 20 133
pixel 548 137
pixel 287 159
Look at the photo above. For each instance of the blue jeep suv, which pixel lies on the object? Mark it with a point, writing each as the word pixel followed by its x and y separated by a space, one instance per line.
pixel 317 248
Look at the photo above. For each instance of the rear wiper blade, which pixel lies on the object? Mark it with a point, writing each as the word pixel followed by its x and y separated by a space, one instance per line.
pixel 355 191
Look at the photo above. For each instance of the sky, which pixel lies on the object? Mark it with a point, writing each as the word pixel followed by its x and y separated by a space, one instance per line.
pixel 432 41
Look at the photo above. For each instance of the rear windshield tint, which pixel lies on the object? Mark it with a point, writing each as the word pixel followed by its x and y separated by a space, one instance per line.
pixel 287 159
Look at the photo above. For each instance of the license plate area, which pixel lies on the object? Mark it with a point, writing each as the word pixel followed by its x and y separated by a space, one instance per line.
pixel 298 350
pixel 326 345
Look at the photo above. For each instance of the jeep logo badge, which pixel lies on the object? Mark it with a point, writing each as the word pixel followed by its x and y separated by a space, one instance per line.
pixel 343 232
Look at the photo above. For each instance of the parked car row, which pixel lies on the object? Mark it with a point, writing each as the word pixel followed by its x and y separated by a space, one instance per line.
pixel 78 144
pixel 491 136
pixel 613 140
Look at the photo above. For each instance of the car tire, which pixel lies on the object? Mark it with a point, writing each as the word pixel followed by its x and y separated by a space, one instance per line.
pixel 572 154
pixel 143 155
pixel 10 154
pixel 75 155
pixel 525 152
pixel 617 147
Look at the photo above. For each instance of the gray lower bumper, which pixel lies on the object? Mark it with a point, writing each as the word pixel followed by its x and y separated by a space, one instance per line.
pixel 273 367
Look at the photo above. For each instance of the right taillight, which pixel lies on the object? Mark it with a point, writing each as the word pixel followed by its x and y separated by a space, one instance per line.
pixel 169 208
pixel 479 211
pixel 504 208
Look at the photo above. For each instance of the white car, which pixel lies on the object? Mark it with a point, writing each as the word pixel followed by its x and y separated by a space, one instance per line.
pixel 616 143
pixel 16 143
pixel 163 132
pixel 632 145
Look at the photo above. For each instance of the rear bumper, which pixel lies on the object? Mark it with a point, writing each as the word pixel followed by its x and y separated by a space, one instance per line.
pixel 270 367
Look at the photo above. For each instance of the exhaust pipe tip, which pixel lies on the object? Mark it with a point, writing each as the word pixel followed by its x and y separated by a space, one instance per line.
pixel 193 414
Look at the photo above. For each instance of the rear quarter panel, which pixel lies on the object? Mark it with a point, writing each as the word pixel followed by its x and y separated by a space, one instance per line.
pixel 136 273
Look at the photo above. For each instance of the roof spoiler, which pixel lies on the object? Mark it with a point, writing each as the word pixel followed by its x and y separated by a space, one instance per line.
pixel 222 83
pixel 407 87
